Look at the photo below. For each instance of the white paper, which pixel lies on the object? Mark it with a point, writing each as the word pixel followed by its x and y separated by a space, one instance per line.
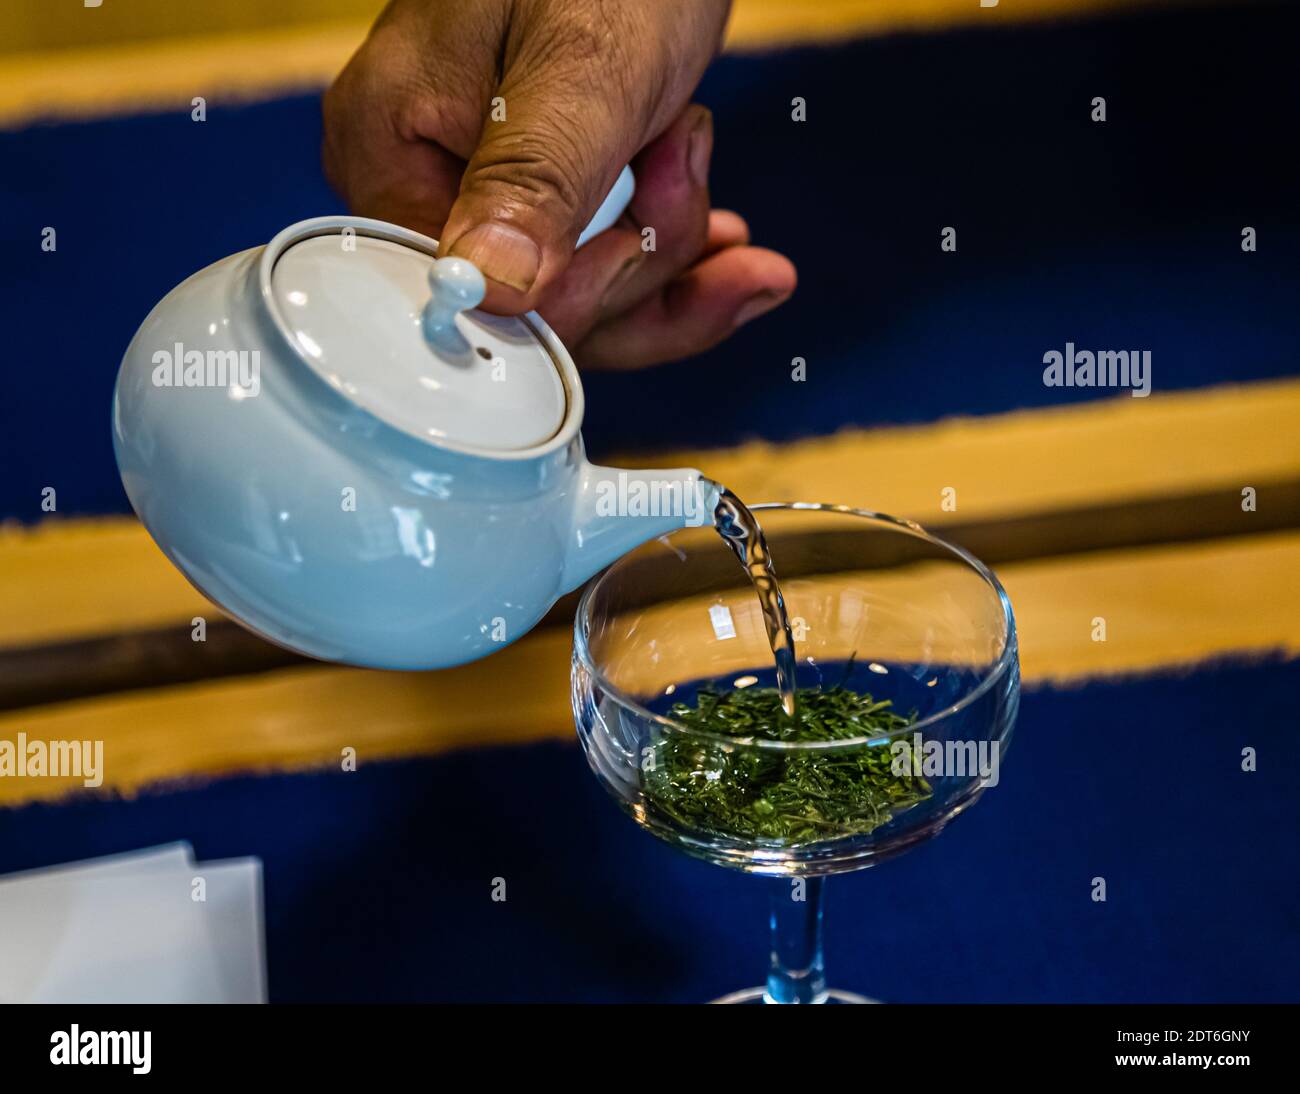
pixel 167 855
pixel 126 928
pixel 234 923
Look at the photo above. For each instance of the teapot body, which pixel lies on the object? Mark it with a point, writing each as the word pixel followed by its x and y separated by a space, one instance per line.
pixel 326 529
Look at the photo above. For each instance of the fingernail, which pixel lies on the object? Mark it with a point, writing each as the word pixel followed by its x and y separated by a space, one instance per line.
pixel 757 304
pixel 699 148
pixel 621 278
pixel 502 253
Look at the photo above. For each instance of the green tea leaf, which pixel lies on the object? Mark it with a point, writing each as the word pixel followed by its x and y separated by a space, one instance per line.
pixel 787 798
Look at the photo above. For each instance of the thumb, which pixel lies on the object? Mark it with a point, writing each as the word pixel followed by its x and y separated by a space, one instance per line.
pixel 547 156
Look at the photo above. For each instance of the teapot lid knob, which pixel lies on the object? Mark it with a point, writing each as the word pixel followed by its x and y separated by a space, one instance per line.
pixel 457 285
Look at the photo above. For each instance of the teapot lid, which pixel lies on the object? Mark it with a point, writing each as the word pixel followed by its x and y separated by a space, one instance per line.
pixel 397 331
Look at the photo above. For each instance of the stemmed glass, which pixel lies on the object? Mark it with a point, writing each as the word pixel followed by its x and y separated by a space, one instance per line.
pixel 877 605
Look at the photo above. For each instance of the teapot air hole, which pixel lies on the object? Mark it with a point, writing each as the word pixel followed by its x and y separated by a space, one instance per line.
pixel 485 353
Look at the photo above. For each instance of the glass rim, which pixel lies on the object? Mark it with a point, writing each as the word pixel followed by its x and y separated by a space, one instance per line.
pixel 1000 668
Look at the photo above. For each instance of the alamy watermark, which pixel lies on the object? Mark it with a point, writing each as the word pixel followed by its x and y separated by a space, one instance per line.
pixel 634 496
pixel 937 759
pixel 240 370
pixel 24 759
pixel 116 1048
pixel 1104 368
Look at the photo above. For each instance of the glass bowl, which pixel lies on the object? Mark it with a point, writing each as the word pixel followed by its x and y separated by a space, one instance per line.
pixel 878 606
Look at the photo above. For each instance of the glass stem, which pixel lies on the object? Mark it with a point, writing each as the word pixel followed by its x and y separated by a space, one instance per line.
pixel 797 970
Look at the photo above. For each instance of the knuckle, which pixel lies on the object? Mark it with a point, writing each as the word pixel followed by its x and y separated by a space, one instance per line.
pixel 580 33
pixel 540 169
pixel 602 54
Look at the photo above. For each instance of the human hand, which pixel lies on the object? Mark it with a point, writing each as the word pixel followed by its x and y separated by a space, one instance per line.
pixel 498 126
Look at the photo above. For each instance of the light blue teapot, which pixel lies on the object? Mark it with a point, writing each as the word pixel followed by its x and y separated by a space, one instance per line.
pixel 329 441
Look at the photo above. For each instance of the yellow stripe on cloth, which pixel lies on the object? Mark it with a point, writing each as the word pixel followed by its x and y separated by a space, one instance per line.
pixel 67 579
pixel 1030 461
pixel 1163 607
pixel 75 579
pixel 759 24
pixel 154 54
pixel 104 81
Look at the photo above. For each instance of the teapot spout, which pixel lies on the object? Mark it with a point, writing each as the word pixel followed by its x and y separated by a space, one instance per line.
pixel 617 510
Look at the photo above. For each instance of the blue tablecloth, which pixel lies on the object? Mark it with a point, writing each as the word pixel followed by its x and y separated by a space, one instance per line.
pixel 379 882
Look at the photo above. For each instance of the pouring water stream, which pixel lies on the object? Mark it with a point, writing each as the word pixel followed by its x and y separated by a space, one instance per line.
pixel 741 532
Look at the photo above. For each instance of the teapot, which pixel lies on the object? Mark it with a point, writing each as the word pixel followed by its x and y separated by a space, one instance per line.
pixel 332 442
